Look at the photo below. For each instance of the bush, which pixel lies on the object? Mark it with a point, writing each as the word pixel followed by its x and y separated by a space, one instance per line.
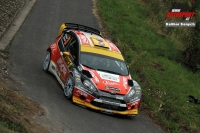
pixel 191 53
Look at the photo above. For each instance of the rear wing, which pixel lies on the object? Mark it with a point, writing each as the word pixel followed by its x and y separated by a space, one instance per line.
pixel 78 27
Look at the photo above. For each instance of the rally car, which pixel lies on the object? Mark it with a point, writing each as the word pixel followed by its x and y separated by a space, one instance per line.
pixel 92 71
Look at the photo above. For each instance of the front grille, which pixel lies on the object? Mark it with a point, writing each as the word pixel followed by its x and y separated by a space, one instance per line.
pixel 110 103
pixel 110 99
pixel 108 106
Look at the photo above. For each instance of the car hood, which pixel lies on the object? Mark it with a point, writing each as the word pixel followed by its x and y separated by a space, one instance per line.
pixel 109 82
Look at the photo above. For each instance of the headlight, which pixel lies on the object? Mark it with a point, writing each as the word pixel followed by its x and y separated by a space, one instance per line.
pixel 131 93
pixel 89 85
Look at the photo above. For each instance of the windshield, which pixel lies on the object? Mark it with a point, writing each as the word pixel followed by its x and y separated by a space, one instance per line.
pixel 104 63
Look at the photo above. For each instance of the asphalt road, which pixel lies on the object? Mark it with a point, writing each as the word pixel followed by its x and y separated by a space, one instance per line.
pixel 27 54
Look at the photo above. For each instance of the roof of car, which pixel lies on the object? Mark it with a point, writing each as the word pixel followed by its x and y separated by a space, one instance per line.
pixel 94 43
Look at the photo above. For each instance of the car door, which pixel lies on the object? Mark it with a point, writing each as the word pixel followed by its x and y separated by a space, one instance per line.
pixel 68 45
pixel 62 70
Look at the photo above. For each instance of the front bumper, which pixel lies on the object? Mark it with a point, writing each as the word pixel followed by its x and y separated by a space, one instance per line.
pixel 85 99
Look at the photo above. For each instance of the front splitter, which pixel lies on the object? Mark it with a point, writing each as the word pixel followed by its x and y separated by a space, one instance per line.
pixel 131 112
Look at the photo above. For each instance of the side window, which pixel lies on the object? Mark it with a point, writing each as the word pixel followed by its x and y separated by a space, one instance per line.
pixel 62 43
pixel 66 39
pixel 61 46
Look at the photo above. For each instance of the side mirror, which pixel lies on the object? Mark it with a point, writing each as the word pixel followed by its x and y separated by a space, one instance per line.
pixel 130 82
pixel 86 73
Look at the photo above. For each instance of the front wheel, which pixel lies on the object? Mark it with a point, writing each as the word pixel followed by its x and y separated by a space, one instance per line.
pixel 69 87
pixel 47 61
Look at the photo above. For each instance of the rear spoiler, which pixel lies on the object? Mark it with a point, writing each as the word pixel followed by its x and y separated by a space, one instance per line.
pixel 78 27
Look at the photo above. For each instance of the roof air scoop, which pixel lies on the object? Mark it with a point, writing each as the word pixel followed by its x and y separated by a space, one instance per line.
pixel 99 42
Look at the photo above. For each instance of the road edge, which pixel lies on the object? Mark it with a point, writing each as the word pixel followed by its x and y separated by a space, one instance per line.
pixel 16 24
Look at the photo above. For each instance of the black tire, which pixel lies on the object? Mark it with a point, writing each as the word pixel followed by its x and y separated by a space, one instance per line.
pixel 47 61
pixel 69 87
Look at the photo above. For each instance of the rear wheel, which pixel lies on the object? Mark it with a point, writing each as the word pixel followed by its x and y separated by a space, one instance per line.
pixel 47 61
pixel 69 87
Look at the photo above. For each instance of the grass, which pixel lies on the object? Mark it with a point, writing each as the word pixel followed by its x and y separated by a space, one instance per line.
pixel 4 54
pixel 10 127
pixel 17 113
pixel 152 57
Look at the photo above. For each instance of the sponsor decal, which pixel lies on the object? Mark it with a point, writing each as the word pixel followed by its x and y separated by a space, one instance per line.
pixel 110 83
pixel 108 76
pixel 78 79
pixel 79 92
pixel 94 76
pixel 53 48
pixel 84 40
pixel 61 66
pixel 137 91
pixel 125 83
pixel 96 79
pixel 135 103
pixel 112 89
